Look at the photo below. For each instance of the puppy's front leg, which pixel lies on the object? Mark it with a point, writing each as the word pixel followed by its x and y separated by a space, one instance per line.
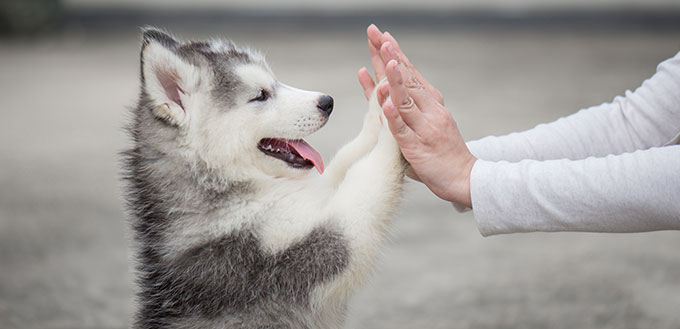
pixel 359 146
pixel 366 199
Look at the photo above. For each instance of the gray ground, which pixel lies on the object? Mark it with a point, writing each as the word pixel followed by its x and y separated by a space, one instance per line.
pixel 63 247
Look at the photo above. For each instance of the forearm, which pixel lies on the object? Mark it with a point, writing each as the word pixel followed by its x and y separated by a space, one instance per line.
pixel 632 192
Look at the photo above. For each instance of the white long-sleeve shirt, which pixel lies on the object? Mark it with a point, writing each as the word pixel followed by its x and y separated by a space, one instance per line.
pixel 609 168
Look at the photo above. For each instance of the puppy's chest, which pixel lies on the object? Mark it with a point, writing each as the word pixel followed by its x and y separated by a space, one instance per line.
pixel 234 272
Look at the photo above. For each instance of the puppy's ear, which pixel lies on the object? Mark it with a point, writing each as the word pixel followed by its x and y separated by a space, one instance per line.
pixel 168 79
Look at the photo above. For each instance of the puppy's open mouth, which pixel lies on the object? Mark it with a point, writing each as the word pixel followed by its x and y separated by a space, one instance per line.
pixel 296 152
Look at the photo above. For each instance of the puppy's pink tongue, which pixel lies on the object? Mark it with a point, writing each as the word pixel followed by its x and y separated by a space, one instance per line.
pixel 308 153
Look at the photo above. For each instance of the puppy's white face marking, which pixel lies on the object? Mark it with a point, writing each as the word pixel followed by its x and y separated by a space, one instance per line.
pixel 284 111
pixel 256 76
pixel 267 114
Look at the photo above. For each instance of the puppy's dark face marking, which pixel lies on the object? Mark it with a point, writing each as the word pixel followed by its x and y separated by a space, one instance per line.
pixel 233 275
pixel 219 57
pixel 221 61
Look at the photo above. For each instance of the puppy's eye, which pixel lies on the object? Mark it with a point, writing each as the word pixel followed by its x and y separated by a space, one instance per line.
pixel 262 96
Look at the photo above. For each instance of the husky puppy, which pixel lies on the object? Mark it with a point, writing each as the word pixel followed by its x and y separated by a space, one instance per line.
pixel 233 227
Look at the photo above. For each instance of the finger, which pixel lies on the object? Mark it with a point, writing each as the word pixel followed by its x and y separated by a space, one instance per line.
pixel 383 93
pixel 398 92
pixel 411 80
pixel 374 36
pixel 377 61
pixel 405 104
pixel 416 88
pixel 366 82
pixel 398 53
pixel 387 37
pixel 404 136
pixel 388 53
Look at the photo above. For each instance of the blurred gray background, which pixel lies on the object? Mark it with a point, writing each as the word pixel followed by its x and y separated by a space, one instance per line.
pixel 68 74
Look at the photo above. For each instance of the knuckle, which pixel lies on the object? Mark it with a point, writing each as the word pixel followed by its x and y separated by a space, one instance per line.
pixel 401 131
pixel 414 83
pixel 429 138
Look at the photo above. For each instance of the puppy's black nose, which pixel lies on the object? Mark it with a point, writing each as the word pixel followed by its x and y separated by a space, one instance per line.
pixel 326 104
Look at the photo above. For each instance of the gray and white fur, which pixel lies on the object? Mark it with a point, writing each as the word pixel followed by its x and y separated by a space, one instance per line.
pixel 226 234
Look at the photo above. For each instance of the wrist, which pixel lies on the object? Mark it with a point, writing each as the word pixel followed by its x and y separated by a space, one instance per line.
pixel 467 193
pixel 460 186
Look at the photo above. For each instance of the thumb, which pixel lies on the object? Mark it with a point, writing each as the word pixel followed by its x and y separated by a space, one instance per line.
pixel 366 82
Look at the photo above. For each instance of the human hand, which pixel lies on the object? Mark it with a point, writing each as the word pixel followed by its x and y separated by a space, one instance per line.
pixel 376 39
pixel 427 135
